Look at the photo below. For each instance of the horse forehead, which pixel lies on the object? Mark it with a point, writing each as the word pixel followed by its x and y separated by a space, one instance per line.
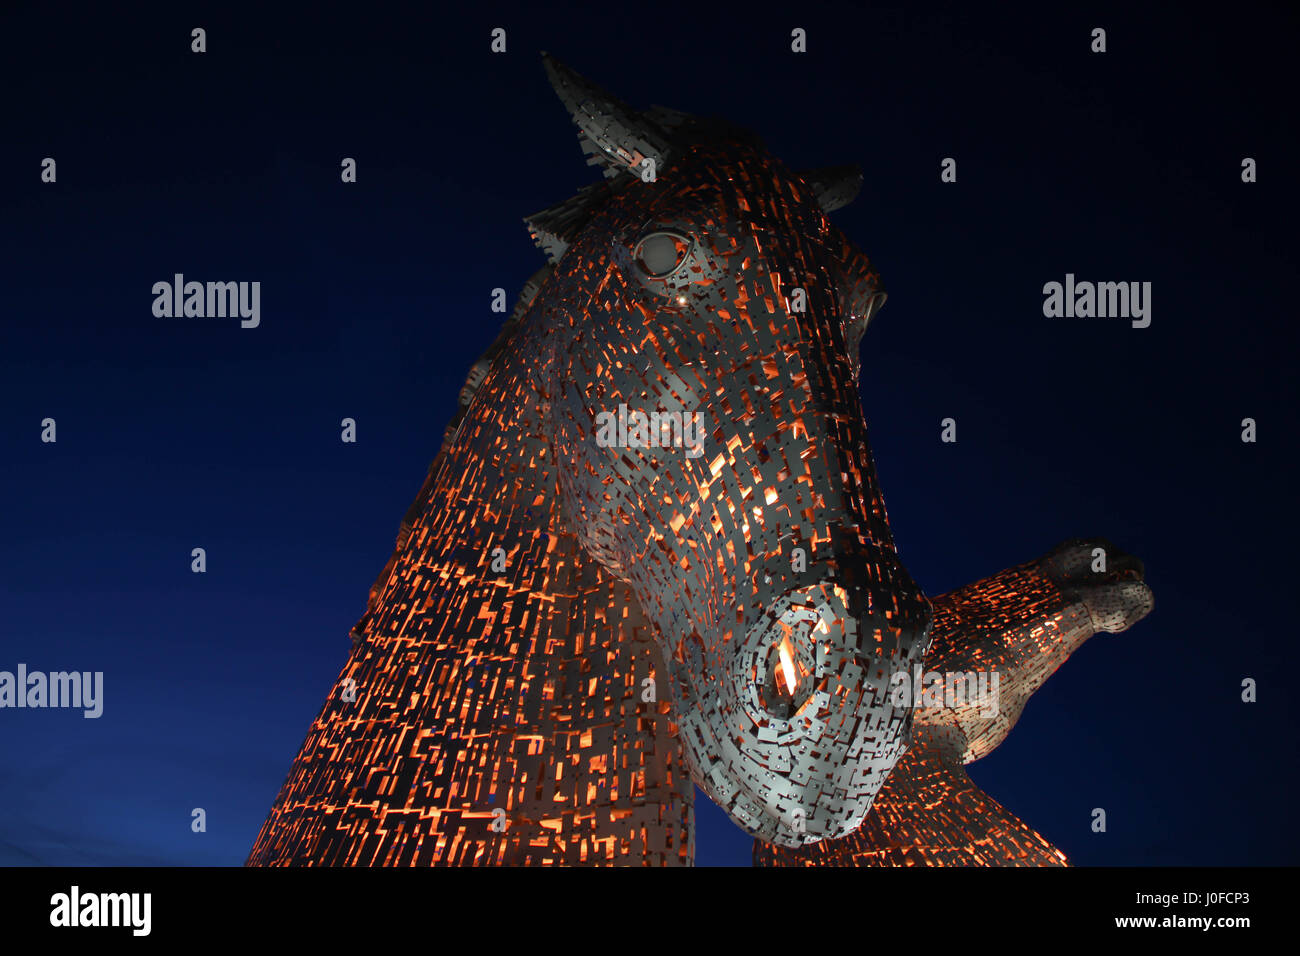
pixel 742 185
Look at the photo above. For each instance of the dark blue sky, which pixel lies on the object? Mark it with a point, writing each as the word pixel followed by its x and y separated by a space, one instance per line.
pixel 183 433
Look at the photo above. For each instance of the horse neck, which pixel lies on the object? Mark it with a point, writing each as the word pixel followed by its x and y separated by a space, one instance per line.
pixel 525 670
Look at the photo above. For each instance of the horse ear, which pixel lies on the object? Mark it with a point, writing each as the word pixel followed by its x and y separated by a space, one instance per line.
pixel 873 306
pixel 613 134
pixel 554 228
pixel 549 242
pixel 834 186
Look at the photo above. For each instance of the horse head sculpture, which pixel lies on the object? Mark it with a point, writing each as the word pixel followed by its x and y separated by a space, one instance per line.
pixel 653 551
pixel 718 291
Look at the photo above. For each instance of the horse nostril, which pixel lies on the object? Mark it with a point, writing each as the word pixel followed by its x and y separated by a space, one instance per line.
pixel 785 668
pixel 787 679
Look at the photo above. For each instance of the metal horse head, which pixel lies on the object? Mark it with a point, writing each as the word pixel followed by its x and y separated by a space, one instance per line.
pixel 702 326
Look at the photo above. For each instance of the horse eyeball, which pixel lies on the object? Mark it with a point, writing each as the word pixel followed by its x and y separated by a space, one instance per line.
pixel 661 253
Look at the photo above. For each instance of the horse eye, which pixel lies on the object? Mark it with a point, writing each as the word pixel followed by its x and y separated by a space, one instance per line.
pixel 660 253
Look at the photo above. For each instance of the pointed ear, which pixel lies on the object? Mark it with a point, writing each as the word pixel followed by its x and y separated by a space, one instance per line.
pixel 554 228
pixel 548 242
pixel 834 186
pixel 873 306
pixel 616 136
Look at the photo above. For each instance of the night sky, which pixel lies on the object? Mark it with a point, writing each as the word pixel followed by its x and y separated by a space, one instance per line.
pixel 181 433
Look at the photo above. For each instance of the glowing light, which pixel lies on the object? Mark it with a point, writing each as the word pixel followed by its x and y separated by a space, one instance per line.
pixel 787 664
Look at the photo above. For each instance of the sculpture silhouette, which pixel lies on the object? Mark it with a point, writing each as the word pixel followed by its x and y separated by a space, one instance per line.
pixel 580 620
